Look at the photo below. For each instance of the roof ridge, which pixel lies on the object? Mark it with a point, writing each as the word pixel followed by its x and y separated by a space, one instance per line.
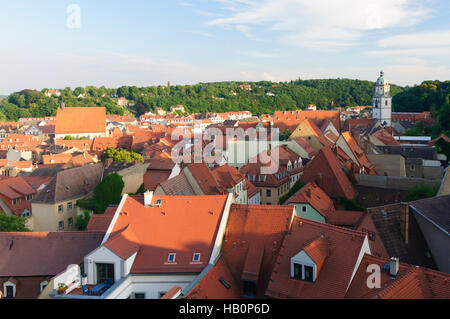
pixel 400 280
pixel 332 227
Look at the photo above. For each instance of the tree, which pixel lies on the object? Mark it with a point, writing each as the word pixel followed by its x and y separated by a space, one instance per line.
pixel 81 221
pixel 422 191
pixel 121 155
pixel 297 186
pixel 108 192
pixel 12 223
pixel 285 136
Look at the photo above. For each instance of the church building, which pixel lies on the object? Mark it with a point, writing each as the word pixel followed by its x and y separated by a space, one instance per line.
pixel 382 101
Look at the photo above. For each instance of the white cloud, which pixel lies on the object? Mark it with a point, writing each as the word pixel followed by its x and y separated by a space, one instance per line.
pixel 258 54
pixel 320 23
pixel 435 38
pixel 411 52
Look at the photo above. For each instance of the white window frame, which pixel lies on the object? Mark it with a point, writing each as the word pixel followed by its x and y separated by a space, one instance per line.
pixel 44 283
pixel 7 284
pixel 194 255
pixel 174 257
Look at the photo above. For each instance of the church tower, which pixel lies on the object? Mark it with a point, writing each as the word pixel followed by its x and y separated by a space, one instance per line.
pixel 382 101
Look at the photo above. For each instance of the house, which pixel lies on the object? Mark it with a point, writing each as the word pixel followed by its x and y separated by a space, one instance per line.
pixel 50 93
pixel 420 160
pixel 31 260
pixel 399 230
pixel 350 147
pixel 70 160
pixel 142 258
pixel 89 122
pixel 15 196
pixel 274 176
pixel 121 101
pixel 177 108
pixel 388 164
pixel 54 209
pixel 237 184
pixel 253 238
pixel 309 131
pixel 158 171
pixel 289 120
pixel 432 215
pixel 326 171
pixel 288 257
pixel 13 168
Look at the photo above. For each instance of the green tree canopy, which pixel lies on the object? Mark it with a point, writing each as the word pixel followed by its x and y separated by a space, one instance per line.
pixel 421 191
pixel 108 192
pixel 121 155
pixel 12 223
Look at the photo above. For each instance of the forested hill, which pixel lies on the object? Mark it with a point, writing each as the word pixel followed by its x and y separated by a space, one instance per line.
pixel 259 98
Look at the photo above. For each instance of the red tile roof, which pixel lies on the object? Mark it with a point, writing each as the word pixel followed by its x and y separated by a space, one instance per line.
pixel 290 119
pixel 361 157
pixel 412 282
pixel 193 222
pixel 206 179
pixel 152 178
pixel 335 275
pixel 73 120
pixel 326 171
pixel 250 228
pixel 306 146
pixel 227 176
pixel 314 196
pixel 43 254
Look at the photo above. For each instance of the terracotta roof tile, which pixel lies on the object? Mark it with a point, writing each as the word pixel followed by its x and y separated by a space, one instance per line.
pixel 43 254
pixel 72 120
pixel 326 171
pixel 193 219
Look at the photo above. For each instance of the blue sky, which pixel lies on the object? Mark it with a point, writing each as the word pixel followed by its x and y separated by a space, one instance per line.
pixel 189 41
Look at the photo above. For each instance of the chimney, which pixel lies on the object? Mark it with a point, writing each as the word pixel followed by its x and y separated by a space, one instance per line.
pixel 148 195
pixel 394 266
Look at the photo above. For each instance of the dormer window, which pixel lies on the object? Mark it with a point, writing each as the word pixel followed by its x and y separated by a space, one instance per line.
pixel 196 257
pixel 171 258
pixel 306 265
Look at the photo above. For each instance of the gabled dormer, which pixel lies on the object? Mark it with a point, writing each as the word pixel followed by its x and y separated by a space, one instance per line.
pixel 307 263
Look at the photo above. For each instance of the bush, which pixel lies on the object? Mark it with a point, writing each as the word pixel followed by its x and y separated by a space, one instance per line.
pixel 297 186
pixel 422 191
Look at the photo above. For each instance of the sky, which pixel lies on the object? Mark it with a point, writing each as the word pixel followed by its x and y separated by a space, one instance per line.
pixel 59 43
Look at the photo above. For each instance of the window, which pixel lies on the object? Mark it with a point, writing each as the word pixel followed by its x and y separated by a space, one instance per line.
pixel 69 206
pixel 298 272
pixel 9 291
pixel 104 272
pixel 413 167
pixel 70 222
pixel 60 208
pixel 29 197
pixel 171 258
pixel 196 257
pixel 304 208
pixel 43 285
pixel 372 236
pixel 61 225
pixel 308 273
pixel 249 289
pixel 161 294
pixel 268 193
pixel 139 295
pixel 158 202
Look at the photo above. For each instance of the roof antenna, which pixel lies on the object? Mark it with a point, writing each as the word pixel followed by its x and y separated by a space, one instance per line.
pixel 11 243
